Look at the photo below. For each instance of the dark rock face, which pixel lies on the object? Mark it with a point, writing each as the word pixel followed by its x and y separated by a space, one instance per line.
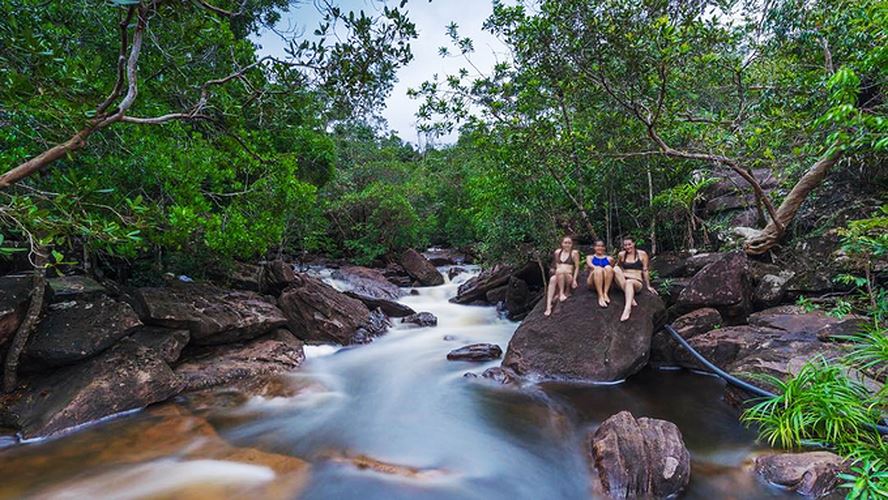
pixel 125 377
pixel 639 458
pixel 475 352
pixel 455 271
pixel 520 299
pixel 388 307
pixel 446 256
pixel 271 354
pixel 420 269
pixel 65 288
pixel 368 282
pixel 670 264
pixel 664 347
pixel 76 330
pixel 695 263
pixel 15 295
pixel 794 319
pixel 165 342
pixel 496 295
pixel 581 340
pixel 318 312
pixel 277 276
pixel 421 319
pixel 724 285
pixel 501 375
pixel 213 315
pixel 477 287
pixel 813 474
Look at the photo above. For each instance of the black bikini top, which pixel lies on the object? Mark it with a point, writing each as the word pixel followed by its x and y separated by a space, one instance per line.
pixel 637 264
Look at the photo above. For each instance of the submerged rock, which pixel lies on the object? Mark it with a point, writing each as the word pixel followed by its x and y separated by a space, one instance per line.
pixel 581 340
pixel 213 315
pixel 420 269
pixel 421 319
pixel 209 366
pixel 76 330
pixel 389 307
pixel 476 352
pixel 125 377
pixel 639 458
pixel 813 474
pixel 317 312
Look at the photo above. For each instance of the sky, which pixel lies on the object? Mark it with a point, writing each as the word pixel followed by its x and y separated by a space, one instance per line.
pixel 431 19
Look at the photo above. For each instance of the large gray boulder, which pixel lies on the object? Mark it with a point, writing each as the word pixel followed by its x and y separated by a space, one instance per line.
pixel 125 377
pixel 581 340
pixel 813 474
pixel 723 284
pixel 368 282
pixel 213 315
pixel 638 458
pixel 420 269
pixel 78 329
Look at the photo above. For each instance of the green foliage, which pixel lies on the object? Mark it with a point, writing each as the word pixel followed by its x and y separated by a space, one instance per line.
pixel 866 481
pixel 869 351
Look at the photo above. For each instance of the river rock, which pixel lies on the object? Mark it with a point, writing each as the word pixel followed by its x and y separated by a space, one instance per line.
pixel 476 352
pixel 389 307
pixel 420 269
pixel 15 295
pixel 813 474
pixel 476 288
pixel 664 347
pixel 670 265
pixel 125 377
pixel 240 275
pixel 639 458
pixel 771 289
pixel 66 288
pixel 317 312
pixel 496 295
pixel 445 256
pixel 368 282
pixel 277 276
pixel 796 320
pixel 421 319
pixel 277 352
pixel 455 271
pixel 723 284
pixel 501 375
pixel 694 263
pixel 76 330
pixel 167 343
pixel 581 340
pixel 213 315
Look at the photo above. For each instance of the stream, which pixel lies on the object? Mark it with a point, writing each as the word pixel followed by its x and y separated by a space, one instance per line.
pixel 397 402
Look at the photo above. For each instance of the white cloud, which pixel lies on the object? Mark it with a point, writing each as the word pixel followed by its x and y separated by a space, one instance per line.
pixel 431 19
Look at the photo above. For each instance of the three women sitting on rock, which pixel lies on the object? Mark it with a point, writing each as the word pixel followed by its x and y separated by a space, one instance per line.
pixel 630 271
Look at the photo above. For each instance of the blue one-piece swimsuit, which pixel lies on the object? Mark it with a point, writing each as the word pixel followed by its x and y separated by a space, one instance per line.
pixel 600 261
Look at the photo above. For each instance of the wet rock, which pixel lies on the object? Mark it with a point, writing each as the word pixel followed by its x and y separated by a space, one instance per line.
pixel 389 307
pixel 477 287
pixel 420 269
pixel 520 299
pixel 364 462
pixel 125 377
pixel 813 474
pixel 421 319
pixel 496 295
pixel 723 284
pixel 167 343
pixel 664 347
pixel 396 275
pixel 771 289
pixel 445 256
pixel 317 312
pixel 639 458
pixel 695 263
pixel 213 315
pixel 670 264
pixel 277 276
pixel 66 288
pixel 368 282
pixel 476 352
pixel 76 330
pixel 794 319
pixel 501 375
pixel 455 271
pixel 581 340
pixel 271 354
pixel 15 295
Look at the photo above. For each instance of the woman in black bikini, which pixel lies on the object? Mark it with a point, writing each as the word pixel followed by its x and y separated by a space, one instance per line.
pixel 632 274
pixel 564 273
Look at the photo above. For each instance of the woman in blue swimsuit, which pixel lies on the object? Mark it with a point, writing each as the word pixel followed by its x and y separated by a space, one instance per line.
pixel 601 272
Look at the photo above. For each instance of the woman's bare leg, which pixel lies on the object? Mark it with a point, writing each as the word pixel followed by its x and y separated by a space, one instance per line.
pixel 550 295
pixel 632 286
pixel 608 280
pixel 598 276
pixel 620 277
pixel 565 286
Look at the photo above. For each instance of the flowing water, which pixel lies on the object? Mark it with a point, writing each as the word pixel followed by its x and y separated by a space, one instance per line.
pixel 389 420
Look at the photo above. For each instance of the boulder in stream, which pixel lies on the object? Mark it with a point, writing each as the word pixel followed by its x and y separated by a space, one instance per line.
pixel 813 474
pixel 213 315
pixel 317 312
pixel 368 282
pixel 639 458
pixel 420 269
pixel 125 377
pixel 422 319
pixel 476 352
pixel 389 307
pixel 584 341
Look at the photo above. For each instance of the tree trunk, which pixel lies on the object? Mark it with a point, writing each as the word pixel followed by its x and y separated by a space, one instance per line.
pixel 764 240
pixel 28 324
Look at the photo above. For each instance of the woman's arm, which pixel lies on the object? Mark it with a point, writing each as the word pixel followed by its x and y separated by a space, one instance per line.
pixel 645 273
pixel 576 260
